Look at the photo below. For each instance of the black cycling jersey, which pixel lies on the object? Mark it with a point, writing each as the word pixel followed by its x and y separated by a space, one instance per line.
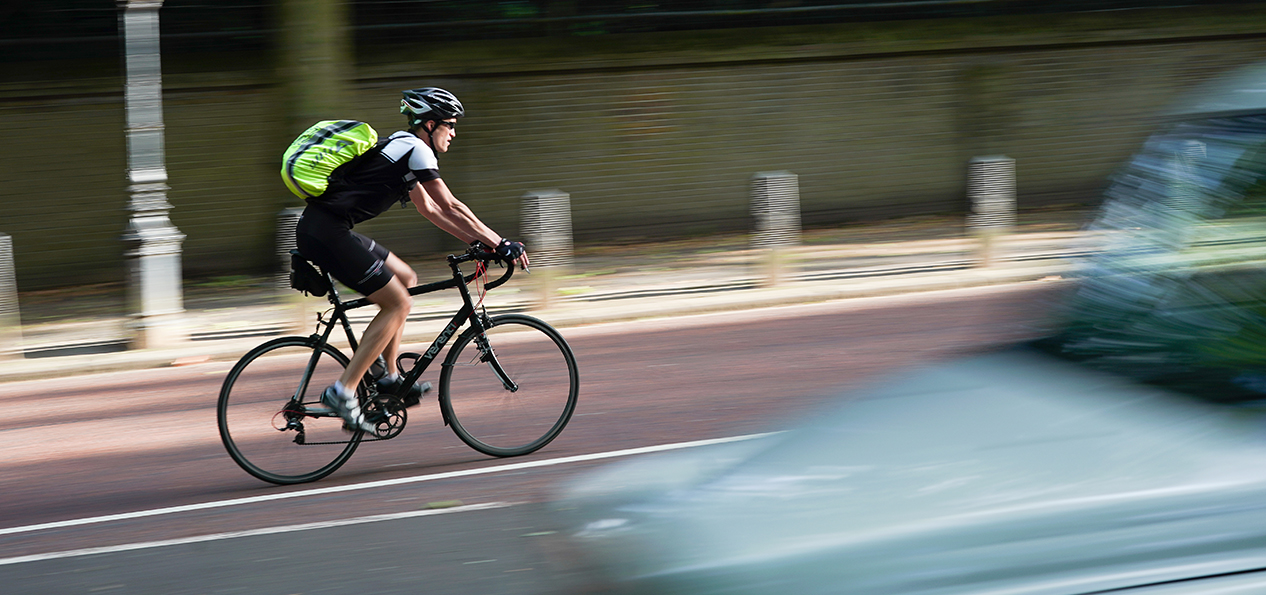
pixel 360 190
pixel 366 187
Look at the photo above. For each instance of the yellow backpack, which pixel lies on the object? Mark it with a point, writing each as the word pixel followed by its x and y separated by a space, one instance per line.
pixel 308 162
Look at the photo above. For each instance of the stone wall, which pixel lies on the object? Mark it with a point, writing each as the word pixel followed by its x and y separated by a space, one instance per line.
pixel 653 135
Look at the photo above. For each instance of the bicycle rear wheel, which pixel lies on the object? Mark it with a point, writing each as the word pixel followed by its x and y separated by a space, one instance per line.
pixel 267 432
pixel 493 419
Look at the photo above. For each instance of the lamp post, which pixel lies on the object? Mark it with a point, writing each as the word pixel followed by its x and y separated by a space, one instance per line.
pixel 152 243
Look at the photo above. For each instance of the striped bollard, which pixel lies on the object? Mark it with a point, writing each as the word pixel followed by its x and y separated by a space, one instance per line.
pixel 547 233
pixel 287 220
pixel 776 210
pixel 10 318
pixel 991 189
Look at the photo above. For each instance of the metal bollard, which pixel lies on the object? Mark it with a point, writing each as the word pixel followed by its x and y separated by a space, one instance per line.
pixel 10 317
pixel 991 189
pixel 287 220
pixel 1184 201
pixel 776 209
pixel 546 227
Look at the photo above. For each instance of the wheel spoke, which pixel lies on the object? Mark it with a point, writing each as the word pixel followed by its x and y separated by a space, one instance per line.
pixel 485 413
pixel 257 394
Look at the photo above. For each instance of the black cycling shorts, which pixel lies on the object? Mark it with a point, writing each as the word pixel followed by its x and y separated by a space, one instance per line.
pixel 355 260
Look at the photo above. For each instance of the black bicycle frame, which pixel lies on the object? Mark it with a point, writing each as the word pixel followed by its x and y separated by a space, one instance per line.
pixel 466 312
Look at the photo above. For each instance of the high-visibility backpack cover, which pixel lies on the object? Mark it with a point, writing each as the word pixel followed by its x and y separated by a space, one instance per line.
pixel 308 162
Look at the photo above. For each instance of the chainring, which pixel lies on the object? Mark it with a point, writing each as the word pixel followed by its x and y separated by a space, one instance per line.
pixel 388 415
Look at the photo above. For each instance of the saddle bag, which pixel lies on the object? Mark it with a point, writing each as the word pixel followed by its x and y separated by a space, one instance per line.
pixel 304 277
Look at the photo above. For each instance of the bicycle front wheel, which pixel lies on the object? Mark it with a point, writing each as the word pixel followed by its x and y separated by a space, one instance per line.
pixel 509 421
pixel 271 434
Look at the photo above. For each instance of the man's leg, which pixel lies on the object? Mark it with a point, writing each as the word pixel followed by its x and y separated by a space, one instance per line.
pixel 393 302
pixel 403 273
pixel 361 264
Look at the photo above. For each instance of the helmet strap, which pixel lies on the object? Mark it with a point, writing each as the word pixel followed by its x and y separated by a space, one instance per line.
pixel 428 139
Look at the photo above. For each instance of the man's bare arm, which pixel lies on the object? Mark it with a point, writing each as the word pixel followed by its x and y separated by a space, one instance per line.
pixel 436 202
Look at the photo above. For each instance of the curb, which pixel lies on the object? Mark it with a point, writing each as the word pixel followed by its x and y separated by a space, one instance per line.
pixel 569 313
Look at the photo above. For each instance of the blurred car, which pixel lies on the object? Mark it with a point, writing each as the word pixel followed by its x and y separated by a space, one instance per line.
pixel 1126 453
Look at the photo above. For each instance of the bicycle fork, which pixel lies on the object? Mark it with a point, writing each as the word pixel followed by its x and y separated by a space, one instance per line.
pixel 480 322
pixel 488 356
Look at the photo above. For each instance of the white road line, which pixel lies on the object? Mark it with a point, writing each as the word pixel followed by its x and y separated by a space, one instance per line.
pixel 127 547
pixel 374 484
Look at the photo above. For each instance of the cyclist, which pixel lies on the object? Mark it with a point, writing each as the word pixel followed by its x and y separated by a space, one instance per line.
pixel 403 167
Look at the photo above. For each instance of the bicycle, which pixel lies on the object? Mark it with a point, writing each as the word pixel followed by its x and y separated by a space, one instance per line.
pixel 504 403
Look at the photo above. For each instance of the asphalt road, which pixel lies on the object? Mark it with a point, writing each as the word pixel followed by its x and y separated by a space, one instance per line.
pixel 118 483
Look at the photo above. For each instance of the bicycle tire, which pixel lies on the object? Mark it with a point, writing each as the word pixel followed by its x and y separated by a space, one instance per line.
pixel 493 420
pixel 249 412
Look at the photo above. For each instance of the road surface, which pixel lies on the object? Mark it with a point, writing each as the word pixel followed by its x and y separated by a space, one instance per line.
pixel 118 483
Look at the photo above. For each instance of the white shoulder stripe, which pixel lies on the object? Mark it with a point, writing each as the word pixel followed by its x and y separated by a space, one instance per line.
pixel 422 157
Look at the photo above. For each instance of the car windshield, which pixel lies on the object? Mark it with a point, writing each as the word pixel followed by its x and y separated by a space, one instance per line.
pixel 1175 295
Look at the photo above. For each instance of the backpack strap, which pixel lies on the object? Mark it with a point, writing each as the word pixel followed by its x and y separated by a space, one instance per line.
pixel 374 150
pixel 339 174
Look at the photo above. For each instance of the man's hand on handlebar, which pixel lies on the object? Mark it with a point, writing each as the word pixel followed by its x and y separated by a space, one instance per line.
pixel 508 251
pixel 513 251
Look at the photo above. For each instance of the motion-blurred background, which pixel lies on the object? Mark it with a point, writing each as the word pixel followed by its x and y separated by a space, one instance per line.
pixel 653 116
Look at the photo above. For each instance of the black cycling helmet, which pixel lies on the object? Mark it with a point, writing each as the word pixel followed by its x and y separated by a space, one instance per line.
pixel 429 103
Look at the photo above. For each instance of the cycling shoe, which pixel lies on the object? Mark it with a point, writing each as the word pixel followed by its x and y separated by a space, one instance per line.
pixel 410 397
pixel 348 409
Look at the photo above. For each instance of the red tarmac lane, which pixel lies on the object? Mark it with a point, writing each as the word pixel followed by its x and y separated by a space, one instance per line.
pixel 90 446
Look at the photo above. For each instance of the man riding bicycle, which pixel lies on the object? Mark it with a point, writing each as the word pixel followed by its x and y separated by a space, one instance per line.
pixel 404 167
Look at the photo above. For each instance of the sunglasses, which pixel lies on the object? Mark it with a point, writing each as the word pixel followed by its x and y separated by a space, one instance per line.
pixel 451 125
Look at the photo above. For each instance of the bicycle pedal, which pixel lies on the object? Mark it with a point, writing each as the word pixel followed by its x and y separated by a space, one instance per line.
pixel 413 399
pixel 386 387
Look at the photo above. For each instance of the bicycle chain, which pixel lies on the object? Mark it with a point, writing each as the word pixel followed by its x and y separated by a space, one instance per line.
pixel 374 439
pixel 392 432
pixel 366 436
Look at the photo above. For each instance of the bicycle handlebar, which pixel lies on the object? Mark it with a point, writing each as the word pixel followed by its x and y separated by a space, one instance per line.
pixel 486 257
